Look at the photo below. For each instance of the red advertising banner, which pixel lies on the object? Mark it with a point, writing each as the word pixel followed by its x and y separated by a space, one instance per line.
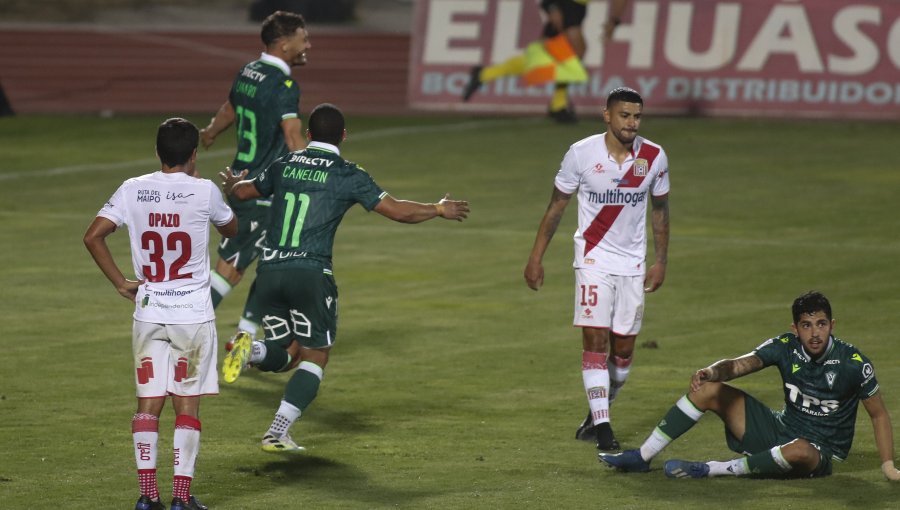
pixel 783 58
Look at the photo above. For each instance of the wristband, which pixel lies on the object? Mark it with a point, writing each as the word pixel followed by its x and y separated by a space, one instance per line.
pixel 439 208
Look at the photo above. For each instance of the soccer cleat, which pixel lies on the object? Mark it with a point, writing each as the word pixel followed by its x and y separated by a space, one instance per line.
pixel 686 469
pixel 586 431
pixel 229 345
pixel 191 504
pixel 606 440
pixel 629 461
pixel 284 443
pixel 236 360
pixel 474 83
pixel 145 503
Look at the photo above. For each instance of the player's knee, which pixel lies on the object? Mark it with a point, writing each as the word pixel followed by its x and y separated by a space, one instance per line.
pixel 801 454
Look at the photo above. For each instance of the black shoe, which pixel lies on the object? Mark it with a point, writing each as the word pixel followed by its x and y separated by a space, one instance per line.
pixel 606 440
pixel 145 503
pixel 474 83
pixel 191 504
pixel 564 116
pixel 586 430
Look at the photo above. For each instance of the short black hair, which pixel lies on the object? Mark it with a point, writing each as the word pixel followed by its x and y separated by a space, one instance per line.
pixel 176 141
pixel 810 303
pixel 326 124
pixel 280 24
pixel 624 95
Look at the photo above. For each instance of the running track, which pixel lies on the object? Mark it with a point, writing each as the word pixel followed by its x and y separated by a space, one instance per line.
pixel 93 70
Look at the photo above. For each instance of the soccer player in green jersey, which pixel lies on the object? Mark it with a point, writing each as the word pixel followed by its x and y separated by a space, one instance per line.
pixel 311 190
pixel 824 380
pixel 264 102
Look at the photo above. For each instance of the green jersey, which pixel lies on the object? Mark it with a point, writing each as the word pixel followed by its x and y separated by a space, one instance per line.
pixel 310 191
pixel 821 396
pixel 263 95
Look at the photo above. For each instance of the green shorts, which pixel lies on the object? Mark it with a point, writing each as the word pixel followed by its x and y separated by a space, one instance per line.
pixel 241 250
pixel 763 430
pixel 300 304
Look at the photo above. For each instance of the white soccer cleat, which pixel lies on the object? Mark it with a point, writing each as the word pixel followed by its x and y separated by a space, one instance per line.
pixel 284 443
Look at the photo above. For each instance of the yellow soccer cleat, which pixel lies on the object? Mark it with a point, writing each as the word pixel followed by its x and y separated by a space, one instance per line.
pixel 236 360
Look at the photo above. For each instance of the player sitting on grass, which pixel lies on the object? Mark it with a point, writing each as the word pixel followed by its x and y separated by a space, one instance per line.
pixel 824 380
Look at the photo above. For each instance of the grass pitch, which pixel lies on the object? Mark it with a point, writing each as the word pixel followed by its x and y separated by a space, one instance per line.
pixel 452 385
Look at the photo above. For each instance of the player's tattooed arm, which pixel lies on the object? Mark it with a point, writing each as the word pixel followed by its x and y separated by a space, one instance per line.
pixel 659 218
pixel 726 370
pixel 534 270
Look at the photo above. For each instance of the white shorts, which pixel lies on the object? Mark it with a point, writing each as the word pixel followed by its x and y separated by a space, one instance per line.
pixel 175 359
pixel 609 301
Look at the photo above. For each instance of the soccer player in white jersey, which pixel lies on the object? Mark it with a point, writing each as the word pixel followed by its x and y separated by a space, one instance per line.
pixel 614 174
pixel 174 334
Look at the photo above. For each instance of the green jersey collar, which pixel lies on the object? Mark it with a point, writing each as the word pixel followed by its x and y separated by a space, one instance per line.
pixel 272 60
pixel 824 355
pixel 322 146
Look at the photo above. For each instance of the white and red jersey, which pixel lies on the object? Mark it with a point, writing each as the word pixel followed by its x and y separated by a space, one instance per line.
pixel 168 215
pixel 612 202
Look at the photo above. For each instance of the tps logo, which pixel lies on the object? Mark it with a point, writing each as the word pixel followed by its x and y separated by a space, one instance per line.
pixel 806 401
pixel 145 371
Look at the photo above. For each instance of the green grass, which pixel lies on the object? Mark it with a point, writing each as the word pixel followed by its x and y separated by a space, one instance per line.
pixel 452 385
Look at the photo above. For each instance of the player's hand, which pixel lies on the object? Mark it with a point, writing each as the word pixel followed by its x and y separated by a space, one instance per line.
pixel 890 472
pixel 229 179
pixel 129 288
pixel 608 28
pixel 453 209
pixel 655 276
pixel 701 377
pixel 206 138
pixel 534 274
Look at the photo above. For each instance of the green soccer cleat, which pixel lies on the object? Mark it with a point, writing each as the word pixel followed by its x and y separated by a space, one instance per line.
pixel 284 443
pixel 236 360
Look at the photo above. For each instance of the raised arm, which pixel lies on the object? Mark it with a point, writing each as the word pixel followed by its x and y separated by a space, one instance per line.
pixel 659 218
pixel 95 242
pixel 223 119
pixel 726 370
pixel 534 269
pixel 616 10
pixel 293 134
pixel 884 435
pixel 407 211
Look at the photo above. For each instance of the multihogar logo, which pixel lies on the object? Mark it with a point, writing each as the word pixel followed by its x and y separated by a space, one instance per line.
pixel 617 196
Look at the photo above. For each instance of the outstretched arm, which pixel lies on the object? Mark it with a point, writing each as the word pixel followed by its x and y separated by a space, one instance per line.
pixel 95 242
pixel 726 370
pixel 407 211
pixel 224 118
pixel 884 435
pixel 659 218
pixel 234 185
pixel 534 270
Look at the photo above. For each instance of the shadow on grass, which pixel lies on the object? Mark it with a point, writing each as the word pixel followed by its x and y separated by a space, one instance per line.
pixel 342 481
